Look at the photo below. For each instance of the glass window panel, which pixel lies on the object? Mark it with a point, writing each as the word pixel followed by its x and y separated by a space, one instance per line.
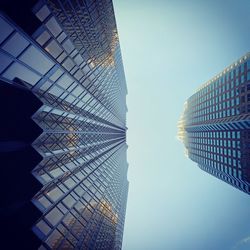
pixel 70 99
pixel 54 27
pixel 55 194
pixel 74 53
pixel 61 57
pixel 56 75
pixel 68 64
pixel 46 85
pixel 78 75
pixel 5 61
pixel 43 13
pixel 37 60
pixel 69 183
pixel 6 29
pixel 44 201
pixel 18 70
pixel 69 219
pixel 78 59
pixel 77 91
pixel 57 171
pixel 61 37
pixel 43 227
pixel 79 191
pixel 54 216
pixel 16 44
pixel 54 49
pixel 54 239
pixel 68 46
pixel 43 38
pixel 86 69
pixel 69 201
pixel 248 76
pixel 65 81
pixel 57 92
pixel 62 208
pixel 86 97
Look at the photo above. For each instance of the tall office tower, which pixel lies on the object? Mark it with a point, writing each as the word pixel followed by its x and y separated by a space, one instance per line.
pixel 215 125
pixel 63 126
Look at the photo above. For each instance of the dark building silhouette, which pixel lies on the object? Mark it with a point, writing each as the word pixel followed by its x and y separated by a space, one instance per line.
pixel 63 126
pixel 215 125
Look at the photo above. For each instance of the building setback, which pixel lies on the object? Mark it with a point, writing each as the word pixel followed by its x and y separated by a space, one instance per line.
pixel 215 125
pixel 63 126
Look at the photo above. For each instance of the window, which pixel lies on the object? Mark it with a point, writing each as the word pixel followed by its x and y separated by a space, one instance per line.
pixel 68 64
pixel 68 46
pixel 54 27
pixel 55 194
pixel 15 45
pixel 43 13
pixel 19 71
pixel 54 216
pixel 64 81
pixel 5 61
pixel 35 59
pixel 248 76
pixel 43 227
pixel 56 91
pixel 54 49
pixel 78 59
pixel 6 29
pixel 43 38
pixel 56 75
pixel 242 78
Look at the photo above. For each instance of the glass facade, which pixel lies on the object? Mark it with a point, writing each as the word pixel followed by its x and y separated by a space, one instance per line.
pixel 215 125
pixel 72 63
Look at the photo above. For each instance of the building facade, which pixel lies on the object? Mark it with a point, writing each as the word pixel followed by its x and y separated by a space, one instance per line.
pixel 215 125
pixel 63 142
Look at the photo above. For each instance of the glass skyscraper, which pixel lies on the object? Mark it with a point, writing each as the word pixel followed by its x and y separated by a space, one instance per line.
pixel 63 136
pixel 215 125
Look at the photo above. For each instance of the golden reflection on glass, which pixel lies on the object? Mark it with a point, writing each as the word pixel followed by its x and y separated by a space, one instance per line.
pixel 182 134
pixel 109 55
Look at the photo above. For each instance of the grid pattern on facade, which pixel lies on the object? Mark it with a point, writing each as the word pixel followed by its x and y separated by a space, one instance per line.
pixel 216 123
pixel 73 64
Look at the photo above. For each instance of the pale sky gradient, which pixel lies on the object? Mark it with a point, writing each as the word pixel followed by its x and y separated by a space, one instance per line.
pixel 170 48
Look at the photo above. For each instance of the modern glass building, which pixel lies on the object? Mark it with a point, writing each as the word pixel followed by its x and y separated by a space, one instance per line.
pixel 215 125
pixel 63 137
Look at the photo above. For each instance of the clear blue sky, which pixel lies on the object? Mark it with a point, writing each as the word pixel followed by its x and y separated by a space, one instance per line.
pixel 170 48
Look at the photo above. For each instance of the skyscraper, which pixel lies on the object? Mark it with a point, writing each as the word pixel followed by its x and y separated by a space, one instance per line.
pixel 63 136
pixel 215 125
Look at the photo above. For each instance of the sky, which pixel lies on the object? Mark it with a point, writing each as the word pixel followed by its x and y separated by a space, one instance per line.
pixel 170 48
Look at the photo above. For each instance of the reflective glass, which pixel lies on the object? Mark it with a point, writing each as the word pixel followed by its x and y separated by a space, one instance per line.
pixel 43 13
pixel 54 216
pixel 54 49
pixel 19 71
pixel 53 26
pixel 5 61
pixel 68 46
pixel 43 38
pixel 16 44
pixel 37 60
pixel 6 29
pixel 65 81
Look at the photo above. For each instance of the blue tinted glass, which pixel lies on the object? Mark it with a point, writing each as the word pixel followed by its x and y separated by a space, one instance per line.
pixel 18 70
pixel 248 75
pixel 6 29
pixel 5 61
pixel 16 44
pixel 35 59
pixel 54 49
pixel 53 26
